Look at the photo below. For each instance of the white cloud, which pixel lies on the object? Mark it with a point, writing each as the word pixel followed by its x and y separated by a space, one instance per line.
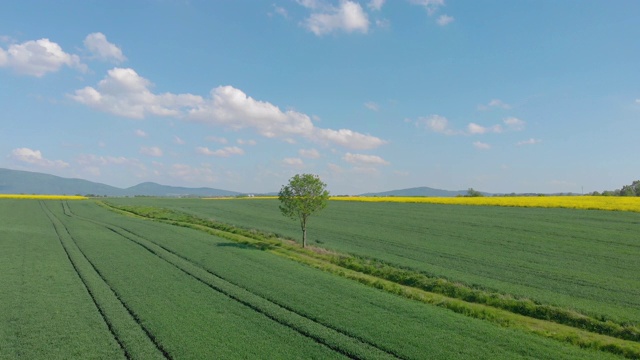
pixel 219 140
pixel 436 123
pixel 36 58
pixel 232 108
pixel 102 49
pixel 280 11
pixel 637 101
pixel 376 4
pixel 311 4
pixel 474 128
pixel 191 174
pixel 177 140
pixel 246 142
pixel 140 133
pixel 35 157
pixel 123 92
pixel 348 17
pixel 224 152
pixel 93 164
pixel 310 153
pixel 106 160
pixel 372 106
pixel 494 103
pixel 293 162
pixel 430 5
pixel 514 124
pixel 361 159
pixel 347 138
pixel 444 20
pixel 531 141
pixel 481 146
pixel 151 151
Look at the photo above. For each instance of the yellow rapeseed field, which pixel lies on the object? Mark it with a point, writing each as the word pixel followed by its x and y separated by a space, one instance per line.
pixel 42 197
pixel 621 203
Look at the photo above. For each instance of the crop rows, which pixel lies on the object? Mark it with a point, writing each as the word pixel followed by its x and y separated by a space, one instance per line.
pixel 46 311
pixel 575 259
pixel 154 290
pixel 368 315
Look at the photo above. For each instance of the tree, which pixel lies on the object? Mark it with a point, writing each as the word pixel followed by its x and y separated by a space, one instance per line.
pixel 304 195
pixel 473 193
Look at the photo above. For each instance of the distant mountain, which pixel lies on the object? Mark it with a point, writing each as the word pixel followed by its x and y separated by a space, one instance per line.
pixel 421 191
pixel 153 189
pixel 26 182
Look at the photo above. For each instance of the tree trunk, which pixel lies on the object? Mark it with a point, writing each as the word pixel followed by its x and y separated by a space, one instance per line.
pixel 304 237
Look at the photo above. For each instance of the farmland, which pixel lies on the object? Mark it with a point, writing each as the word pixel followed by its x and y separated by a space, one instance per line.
pixel 83 281
pixel 579 259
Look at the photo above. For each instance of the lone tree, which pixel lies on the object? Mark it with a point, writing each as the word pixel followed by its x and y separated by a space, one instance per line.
pixel 304 195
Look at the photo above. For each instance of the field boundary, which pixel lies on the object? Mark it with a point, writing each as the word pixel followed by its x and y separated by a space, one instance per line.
pixel 368 271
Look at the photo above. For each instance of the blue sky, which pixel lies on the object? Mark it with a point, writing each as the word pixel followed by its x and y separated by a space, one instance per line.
pixel 501 96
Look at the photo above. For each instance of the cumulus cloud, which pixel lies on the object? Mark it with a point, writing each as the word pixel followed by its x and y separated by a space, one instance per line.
pixel 93 164
pixel 348 16
pixel 347 138
pixel 376 4
pixel 293 162
pixel 372 106
pixel 430 5
pixel 38 57
pixel 362 159
pixel 224 152
pixel 246 142
pixel 102 49
pixel 510 124
pixel 309 153
pixel 151 151
pixel 474 128
pixel 280 11
pixel 436 123
pixel 481 146
pixel 123 92
pixel 219 140
pixel 178 141
pixel 444 20
pixel 531 141
pixel 494 103
pixel 188 173
pixel 514 124
pixel 140 133
pixel 35 157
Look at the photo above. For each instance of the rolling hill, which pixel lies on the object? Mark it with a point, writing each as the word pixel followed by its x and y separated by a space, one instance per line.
pixel 421 191
pixel 26 182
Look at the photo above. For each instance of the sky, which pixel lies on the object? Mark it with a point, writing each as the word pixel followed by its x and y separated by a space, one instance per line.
pixel 371 95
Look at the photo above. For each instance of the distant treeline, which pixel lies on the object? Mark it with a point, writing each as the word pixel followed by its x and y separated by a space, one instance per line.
pixel 627 190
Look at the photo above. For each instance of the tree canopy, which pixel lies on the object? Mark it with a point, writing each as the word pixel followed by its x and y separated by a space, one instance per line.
pixel 304 195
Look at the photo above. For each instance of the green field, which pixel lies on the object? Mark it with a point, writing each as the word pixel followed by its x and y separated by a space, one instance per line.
pixel 80 281
pixel 578 259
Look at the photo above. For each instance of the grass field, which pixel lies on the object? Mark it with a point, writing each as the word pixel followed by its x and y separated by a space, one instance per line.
pixel 577 259
pixel 80 281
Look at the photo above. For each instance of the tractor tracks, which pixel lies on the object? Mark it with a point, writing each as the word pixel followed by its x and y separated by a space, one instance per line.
pixel 338 340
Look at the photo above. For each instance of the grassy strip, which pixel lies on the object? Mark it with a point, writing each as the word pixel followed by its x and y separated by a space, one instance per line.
pixel 124 327
pixel 480 304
